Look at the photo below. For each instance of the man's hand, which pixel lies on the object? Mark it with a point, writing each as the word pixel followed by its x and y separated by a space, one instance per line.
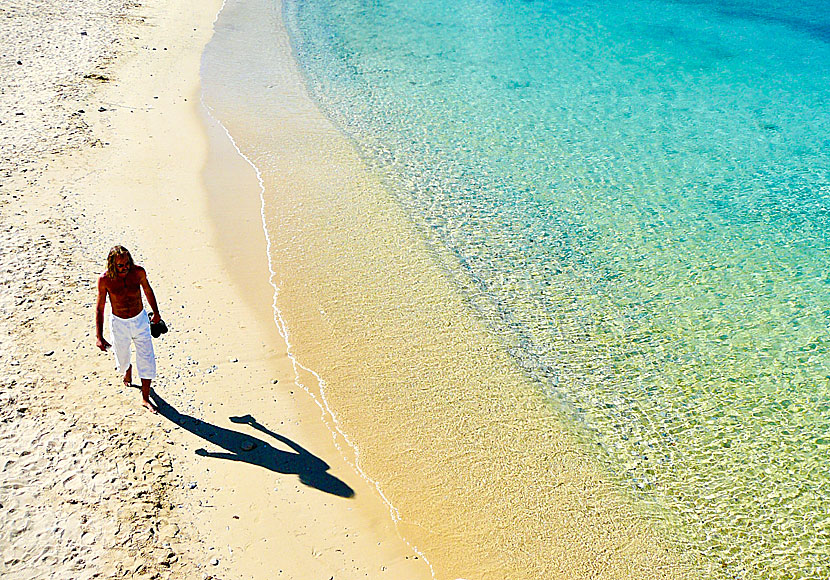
pixel 102 344
pixel 244 420
pixel 155 318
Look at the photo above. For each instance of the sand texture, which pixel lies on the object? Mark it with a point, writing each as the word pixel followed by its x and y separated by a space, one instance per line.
pixel 79 497
pixel 103 141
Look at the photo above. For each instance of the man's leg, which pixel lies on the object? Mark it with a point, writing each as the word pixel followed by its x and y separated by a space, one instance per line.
pixel 145 396
pixel 145 360
pixel 120 339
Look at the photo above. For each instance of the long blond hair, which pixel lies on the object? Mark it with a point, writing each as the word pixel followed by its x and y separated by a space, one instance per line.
pixel 114 253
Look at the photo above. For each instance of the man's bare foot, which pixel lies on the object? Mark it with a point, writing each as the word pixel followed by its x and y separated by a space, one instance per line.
pixel 150 406
pixel 128 377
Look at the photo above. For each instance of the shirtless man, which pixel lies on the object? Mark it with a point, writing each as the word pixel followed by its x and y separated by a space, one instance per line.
pixel 123 282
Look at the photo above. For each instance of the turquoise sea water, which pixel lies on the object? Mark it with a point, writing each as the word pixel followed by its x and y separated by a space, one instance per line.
pixel 639 193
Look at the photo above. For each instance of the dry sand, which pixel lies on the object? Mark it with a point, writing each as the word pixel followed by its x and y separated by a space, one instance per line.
pixel 103 141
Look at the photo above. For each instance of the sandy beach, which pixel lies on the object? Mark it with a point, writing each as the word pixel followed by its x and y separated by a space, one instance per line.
pixel 104 142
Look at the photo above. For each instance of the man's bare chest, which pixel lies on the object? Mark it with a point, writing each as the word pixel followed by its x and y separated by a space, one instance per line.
pixel 124 290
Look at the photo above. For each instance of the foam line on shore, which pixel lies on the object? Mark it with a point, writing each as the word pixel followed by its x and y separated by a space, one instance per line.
pixel 326 411
pixel 333 423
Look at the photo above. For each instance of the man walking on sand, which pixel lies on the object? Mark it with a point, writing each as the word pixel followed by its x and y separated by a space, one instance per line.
pixel 123 282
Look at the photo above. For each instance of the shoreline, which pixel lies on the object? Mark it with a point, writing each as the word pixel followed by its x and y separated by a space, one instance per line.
pixel 173 510
pixel 178 495
pixel 235 246
pixel 363 286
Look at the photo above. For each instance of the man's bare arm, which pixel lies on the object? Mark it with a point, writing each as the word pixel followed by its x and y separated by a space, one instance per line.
pixel 99 315
pixel 151 297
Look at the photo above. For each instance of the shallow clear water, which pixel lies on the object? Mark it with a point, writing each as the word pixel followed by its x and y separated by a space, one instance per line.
pixel 639 194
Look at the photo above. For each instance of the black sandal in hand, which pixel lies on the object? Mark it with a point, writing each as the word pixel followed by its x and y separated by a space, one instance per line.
pixel 158 328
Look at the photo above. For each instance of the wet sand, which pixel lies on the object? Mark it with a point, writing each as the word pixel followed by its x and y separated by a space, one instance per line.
pixel 486 477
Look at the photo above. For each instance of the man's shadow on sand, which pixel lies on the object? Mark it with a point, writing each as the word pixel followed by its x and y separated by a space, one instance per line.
pixel 312 470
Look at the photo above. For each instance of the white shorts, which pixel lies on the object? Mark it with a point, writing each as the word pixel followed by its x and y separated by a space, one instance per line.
pixel 134 330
